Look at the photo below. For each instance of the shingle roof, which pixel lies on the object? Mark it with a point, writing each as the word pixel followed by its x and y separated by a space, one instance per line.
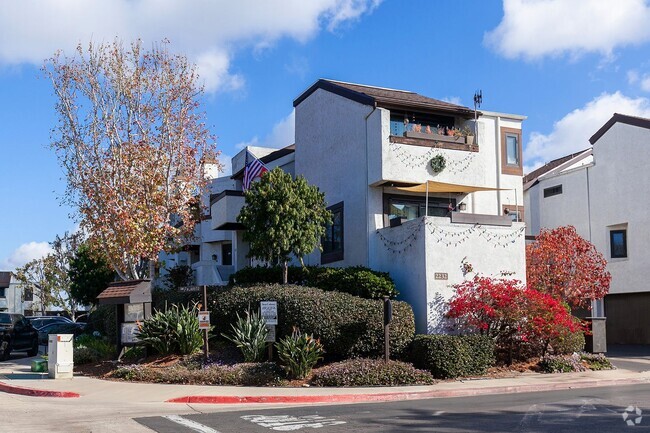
pixel 125 292
pixel 533 175
pixel 371 95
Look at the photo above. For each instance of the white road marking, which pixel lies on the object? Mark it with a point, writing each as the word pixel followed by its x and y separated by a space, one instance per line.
pixel 291 423
pixel 192 425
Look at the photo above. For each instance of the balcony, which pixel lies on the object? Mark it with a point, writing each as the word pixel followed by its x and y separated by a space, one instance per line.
pixel 224 208
pixel 426 256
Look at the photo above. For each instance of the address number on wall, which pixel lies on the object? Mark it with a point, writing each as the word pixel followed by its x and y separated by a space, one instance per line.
pixel 441 276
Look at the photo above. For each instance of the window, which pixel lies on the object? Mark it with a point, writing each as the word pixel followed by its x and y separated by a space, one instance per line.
pixel 554 190
pixel 618 244
pixel 332 242
pixel 2 292
pixel 411 207
pixel 398 125
pixel 511 155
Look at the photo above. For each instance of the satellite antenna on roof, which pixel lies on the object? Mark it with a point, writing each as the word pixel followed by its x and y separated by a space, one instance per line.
pixel 478 100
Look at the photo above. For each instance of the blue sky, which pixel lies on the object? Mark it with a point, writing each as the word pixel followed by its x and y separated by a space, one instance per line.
pixel 567 65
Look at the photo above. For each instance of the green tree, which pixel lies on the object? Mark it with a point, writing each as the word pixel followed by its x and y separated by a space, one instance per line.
pixel 33 276
pixel 89 274
pixel 283 217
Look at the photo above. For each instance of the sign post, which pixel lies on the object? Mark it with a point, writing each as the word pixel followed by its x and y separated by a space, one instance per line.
pixel 269 311
pixel 388 317
pixel 205 323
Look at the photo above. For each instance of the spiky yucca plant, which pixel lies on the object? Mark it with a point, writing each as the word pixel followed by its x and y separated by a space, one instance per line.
pixel 172 331
pixel 249 335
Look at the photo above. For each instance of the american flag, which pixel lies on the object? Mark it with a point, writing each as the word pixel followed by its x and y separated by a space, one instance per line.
pixel 251 171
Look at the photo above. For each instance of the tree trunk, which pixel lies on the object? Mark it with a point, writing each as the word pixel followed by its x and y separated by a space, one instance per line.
pixel 152 269
pixel 285 273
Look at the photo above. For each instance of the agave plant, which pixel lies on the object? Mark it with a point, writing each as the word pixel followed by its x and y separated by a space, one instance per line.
pixel 249 335
pixel 172 331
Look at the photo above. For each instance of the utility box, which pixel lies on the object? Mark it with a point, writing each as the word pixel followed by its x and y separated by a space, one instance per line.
pixel 60 351
pixel 597 341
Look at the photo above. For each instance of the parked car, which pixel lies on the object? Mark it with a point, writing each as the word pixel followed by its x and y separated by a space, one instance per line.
pixel 17 334
pixel 40 321
pixel 59 328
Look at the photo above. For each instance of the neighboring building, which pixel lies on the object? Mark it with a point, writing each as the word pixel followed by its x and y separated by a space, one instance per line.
pixel 13 297
pixel 369 150
pixel 604 192
pixel 218 248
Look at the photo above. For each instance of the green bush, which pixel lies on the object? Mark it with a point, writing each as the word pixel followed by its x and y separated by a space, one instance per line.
pixel 174 331
pixel 596 361
pixel 370 372
pixel 347 326
pixel 568 343
pixel 561 363
pixel 255 374
pixel 249 335
pixel 298 353
pixel 102 320
pixel 449 356
pixel 356 280
pixel 88 348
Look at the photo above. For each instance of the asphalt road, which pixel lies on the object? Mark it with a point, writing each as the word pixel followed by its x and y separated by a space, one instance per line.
pixel 592 410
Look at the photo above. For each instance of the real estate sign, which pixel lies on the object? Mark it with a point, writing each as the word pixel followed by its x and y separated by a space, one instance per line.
pixel 269 311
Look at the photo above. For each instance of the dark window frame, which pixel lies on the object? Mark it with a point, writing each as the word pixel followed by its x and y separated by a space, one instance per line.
pixel 434 201
pixel 617 255
pixel 3 292
pixel 330 255
pixel 515 169
pixel 553 190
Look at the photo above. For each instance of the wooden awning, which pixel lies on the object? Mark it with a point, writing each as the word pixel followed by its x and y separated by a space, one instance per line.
pixel 438 187
pixel 126 292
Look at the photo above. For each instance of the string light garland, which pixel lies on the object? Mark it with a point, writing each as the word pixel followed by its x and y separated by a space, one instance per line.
pixel 451 237
pixel 453 166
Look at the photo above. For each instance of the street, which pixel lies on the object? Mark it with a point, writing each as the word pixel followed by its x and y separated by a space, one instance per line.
pixel 588 410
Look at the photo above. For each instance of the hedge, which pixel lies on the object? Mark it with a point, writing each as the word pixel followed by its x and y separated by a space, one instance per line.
pixel 370 372
pixel 449 356
pixel 348 326
pixel 356 280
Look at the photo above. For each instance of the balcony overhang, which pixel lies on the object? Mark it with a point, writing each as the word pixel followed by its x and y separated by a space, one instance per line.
pixel 431 186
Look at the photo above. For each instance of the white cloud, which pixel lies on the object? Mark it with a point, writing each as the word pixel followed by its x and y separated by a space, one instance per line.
pixel 282 135
pixel 572 132
pixel 209 31
pixel 25 253
pixel 533 29
pixel 453 100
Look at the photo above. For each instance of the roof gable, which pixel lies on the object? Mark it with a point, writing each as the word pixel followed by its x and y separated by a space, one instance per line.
pixel 641 122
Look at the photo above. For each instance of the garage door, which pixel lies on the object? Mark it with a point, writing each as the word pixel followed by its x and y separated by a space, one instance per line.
pixel 628 318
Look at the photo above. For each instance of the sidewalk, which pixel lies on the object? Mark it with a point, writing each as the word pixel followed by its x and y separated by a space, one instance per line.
pixel 15 377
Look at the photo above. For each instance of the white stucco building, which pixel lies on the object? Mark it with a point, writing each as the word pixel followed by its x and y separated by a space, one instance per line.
pixel 369 150
pixel 604 192
pixel 13 296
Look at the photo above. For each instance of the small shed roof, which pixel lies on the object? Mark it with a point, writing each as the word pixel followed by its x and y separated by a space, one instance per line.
pixel 126 292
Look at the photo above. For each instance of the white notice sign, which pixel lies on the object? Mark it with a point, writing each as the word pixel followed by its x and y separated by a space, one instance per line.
pixel 204 320
pixel 270 337
pixel 269 310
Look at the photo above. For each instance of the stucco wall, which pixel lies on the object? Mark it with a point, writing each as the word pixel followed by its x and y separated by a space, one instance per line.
pixel 443 246
pixel 568 208
pixel 331 154
pixel 620 194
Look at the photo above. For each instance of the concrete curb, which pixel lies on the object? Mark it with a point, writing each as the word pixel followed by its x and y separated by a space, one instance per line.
pixel 358 398
pixel 31 392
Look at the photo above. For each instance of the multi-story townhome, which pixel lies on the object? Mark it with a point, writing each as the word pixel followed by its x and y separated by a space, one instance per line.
pixel 602 191
pixel 14 298
pixel 410 192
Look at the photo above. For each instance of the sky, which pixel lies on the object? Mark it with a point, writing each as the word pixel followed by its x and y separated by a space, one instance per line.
pixel 567 65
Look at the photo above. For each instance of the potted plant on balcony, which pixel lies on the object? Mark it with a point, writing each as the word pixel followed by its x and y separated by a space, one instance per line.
pixel 469 135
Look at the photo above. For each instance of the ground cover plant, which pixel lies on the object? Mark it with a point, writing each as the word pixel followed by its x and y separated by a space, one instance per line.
pixel 370 372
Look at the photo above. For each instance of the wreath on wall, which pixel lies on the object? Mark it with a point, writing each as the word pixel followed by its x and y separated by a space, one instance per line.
pixel 438 163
